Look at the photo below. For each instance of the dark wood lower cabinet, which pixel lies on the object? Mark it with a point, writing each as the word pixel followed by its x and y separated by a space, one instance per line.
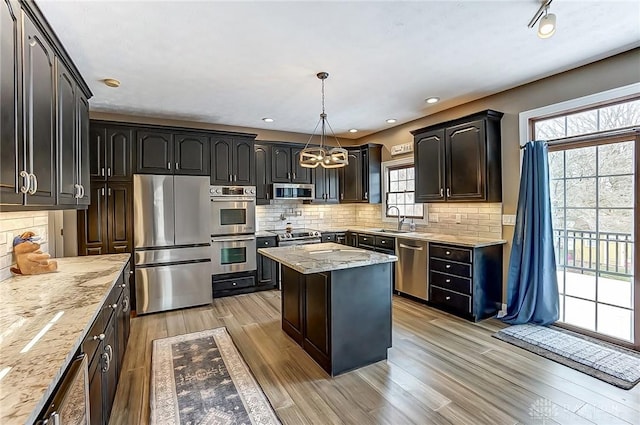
pixel 105 346
pixel 106 226
pixel 341 318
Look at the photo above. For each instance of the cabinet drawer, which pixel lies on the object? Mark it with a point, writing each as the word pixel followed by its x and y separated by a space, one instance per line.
pixel 451 300
pixel 92 340
pixel 328 237
pixel 367 240
pixel 242 282
pixel 454 283
pixel 451 267
pixel 267 242
pixel 385 242
pixel 456 254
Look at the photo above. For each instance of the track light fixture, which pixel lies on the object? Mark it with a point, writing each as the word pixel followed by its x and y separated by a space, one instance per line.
pixel 547 20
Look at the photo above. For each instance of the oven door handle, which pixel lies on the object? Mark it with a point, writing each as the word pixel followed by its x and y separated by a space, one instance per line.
pixel 252 238
pixel 248 200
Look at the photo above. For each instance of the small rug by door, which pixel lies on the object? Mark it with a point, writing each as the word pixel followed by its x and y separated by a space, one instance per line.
pixel 607 362
pixel 201 379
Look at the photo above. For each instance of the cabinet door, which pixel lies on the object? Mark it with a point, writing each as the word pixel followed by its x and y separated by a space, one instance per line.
pixel 221 160
pixel 332 187
pixel 118 154
pixel 316 318
pixel 154 152
pixel 92 223
pixel 429 166
pixel 97 152
pixel 466 161
pixel 263 173
pixel 243 162
pixel 95 388
pixel 319 183
pixel 351 179
pixel 120 213
pixel 280 164
pixel 120 332
pixel 292 303
pixel 192 154
pixel 267 271
pixel 110 370
pixel 82 144
pixel 299 174
pixel 39 112
pixel 12 159
pixel 66 136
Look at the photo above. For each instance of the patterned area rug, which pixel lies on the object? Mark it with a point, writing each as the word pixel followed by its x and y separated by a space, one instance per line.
pixel 607 362
pixel 201 379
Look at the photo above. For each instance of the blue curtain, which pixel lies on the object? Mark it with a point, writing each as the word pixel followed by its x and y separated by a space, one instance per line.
pixel 532 283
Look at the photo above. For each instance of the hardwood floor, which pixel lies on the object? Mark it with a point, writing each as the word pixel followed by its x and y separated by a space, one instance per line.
pixel 441 370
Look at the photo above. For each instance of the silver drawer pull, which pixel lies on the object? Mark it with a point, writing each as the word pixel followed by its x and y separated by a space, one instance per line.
pixel 114 306
pixel 98 337
pixel 447 298
pixel 234 284
pixel 123 285
pixel 383 241
pixel 448 252
pixel 447 280
pixel 448 266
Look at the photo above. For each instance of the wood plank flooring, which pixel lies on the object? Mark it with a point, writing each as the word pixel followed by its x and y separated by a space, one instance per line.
pixel 441 370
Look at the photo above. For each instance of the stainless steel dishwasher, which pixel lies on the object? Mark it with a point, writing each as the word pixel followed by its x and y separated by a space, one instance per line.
pixel 411 270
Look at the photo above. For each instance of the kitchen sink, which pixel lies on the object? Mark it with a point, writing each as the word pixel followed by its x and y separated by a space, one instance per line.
pixel 390 231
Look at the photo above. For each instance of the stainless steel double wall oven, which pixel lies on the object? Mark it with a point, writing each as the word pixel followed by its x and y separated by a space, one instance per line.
pixel 233 226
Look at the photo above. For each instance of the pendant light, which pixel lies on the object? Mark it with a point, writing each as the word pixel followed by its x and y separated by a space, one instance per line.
pixel 547 26
pixel 311 157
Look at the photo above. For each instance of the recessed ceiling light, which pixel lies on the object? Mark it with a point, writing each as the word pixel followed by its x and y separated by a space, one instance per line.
pixel 267 119
pixel 353 130
pixel 111 82
pixel 432 99
pixel 391 120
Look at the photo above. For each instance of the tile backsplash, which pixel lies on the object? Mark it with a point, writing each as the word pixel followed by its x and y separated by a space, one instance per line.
pixel 476 220
pixel 15 223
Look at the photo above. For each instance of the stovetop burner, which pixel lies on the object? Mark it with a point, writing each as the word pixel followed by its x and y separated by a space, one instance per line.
pixel 295 234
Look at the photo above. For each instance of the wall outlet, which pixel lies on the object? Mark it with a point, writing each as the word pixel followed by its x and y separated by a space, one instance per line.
pixel 458 218
pixel 509 220
pixel 433 218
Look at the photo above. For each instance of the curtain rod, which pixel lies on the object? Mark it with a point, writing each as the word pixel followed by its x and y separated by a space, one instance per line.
pixel 591 137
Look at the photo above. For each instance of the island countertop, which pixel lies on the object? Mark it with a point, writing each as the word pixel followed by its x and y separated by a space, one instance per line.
pixel 43 320
pixel 324 257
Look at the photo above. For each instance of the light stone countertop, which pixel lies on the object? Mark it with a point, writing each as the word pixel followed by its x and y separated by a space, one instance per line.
pixel 65 303
pixel 324 257
pixel 466 241
pixel 265 234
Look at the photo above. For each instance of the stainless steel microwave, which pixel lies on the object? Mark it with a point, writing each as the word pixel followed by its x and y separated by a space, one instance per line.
pixel 304 192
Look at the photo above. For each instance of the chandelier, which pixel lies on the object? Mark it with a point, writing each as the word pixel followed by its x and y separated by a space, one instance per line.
pixel 311 157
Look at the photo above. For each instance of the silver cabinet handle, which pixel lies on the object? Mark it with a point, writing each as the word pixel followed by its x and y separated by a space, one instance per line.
pixel 366 195
pixel 125 305
pixel 33 184
pixel 266 195
pixel 448 266
pixel 82 191
pixel 288 175
pixel 447 280
pixel 383 241
pixel 230 178
pixel 109 191
pixel 108 347
pixel 107 361
pixel 448 252
pixel 342 196
pixel 101 172
pixel 234 283
pixel 108 171
pixel 441 192
pixel 78 191
pixel 447 298
pixel 98 337
pixel 169 165
pixel 114 306
pixel 54 418
pixel 177 167
pixel 123 285
pixel 235 239
pixel 26 182
pixel 448 193
pixel 102 190
pixel 415 248
pixel 294 176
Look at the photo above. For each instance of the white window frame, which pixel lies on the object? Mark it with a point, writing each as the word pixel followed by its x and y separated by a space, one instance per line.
pixel 385 173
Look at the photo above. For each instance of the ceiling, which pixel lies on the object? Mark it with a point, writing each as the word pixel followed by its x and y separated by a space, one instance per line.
pixel 236 62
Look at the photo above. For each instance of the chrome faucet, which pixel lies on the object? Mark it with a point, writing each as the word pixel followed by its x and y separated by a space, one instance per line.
pixel 400 219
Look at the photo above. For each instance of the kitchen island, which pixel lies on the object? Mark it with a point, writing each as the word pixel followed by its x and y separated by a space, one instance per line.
pixel 336 303
pixel 45 320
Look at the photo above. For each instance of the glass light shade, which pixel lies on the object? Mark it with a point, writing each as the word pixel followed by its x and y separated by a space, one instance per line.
pixel 547 26
pixel 312 157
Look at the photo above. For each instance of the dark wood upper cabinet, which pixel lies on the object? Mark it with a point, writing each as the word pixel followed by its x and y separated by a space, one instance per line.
pixel 360 180
pixel 92 223
pixel 97 152
pixel 39 109
pixel 118 154
pixel 154 153
pixel 325 181
pixel 82 145
pixel 120 217
pixel 468 165
pixel 191 154
pixel 232 160
pixel 40 128
pixel 263 173
pixel 12 160
pixel 285 167
pixel 429 174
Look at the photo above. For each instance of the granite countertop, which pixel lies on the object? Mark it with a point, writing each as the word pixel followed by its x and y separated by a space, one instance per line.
pixel 434 237
pixel 64 305
pixel 324 257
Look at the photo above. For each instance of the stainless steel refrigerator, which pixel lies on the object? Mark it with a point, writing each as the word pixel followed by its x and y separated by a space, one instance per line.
pixel 171 222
